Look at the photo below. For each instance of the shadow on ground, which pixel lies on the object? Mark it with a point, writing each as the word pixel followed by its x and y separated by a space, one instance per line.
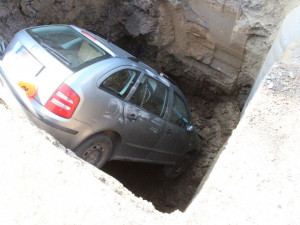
pixel 148 182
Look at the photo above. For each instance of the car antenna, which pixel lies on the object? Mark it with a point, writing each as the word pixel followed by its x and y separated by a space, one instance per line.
pixel 108 20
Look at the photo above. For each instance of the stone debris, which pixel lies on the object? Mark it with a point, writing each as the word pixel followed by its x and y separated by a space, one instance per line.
pixel 270 85
pixel 291 74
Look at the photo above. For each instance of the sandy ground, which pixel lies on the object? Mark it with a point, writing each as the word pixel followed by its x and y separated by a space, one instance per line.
pixel 256 178
pixel 40 184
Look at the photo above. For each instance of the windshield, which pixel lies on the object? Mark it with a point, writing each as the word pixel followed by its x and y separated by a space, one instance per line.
pixel 70 47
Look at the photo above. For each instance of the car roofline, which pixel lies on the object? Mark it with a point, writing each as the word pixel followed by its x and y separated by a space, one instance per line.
pixel 106 46
pixel 153 70
pixel 78 29
pixel 95 40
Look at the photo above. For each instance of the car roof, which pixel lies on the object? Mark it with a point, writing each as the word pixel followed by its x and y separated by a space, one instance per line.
pixel 124 58
pixel 118 52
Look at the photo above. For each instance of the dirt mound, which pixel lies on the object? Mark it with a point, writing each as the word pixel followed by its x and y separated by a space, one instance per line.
pixel 40 184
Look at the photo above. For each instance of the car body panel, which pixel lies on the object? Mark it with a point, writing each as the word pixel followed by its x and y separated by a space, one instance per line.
pixel 44 71
pixel 69 132
pixel 174 141
pixel 142 130
pixel 144 135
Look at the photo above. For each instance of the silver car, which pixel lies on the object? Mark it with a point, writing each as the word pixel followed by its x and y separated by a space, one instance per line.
pixel 97 99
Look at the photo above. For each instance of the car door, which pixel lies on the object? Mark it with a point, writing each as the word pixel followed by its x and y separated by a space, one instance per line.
pixel 176 138
pixel 144 118
pixel 105 107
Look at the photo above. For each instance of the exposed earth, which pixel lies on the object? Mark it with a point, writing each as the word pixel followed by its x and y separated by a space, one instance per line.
pixel 254 181
pixel 147 181
pixel 213 52
pixel 255 178
pixel 40 184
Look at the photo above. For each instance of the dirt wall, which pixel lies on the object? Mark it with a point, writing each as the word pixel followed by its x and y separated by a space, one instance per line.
pixel 213 46
pixel 41 184
pixel 255 179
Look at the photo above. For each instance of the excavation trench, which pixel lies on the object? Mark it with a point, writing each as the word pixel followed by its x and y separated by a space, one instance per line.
pixel 212 49
pixel 214 114
pixel 147 181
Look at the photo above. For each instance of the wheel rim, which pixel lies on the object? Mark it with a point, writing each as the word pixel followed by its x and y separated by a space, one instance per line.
pixel 184 163
pixel 181 166
pixel 93 154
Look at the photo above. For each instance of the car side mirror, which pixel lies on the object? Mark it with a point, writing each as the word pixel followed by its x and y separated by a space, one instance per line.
pixel 190 128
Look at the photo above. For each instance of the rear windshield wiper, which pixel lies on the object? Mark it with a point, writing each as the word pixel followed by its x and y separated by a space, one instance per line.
pixel 53 51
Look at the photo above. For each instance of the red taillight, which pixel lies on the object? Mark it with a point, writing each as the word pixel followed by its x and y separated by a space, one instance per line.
pixel 63 102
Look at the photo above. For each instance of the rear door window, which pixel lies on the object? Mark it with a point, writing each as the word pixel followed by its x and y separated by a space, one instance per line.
pixel 121 82
pixel 151 95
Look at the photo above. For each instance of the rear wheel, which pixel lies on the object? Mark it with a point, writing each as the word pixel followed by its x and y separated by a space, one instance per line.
pixel 181 165
pixel 95 150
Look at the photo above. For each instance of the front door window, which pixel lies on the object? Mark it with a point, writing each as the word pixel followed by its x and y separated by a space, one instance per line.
pixel 179 114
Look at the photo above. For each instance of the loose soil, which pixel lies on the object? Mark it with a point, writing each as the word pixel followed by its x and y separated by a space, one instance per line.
pixel 255 179
pixel 40 184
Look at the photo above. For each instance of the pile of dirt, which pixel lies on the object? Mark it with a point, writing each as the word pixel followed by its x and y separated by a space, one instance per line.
pixel 40 184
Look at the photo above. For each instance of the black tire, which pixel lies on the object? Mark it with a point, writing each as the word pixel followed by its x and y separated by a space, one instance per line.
pixel 95 150
pixel 174 171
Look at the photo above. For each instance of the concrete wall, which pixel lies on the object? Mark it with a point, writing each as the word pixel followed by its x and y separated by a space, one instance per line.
pixel 288 33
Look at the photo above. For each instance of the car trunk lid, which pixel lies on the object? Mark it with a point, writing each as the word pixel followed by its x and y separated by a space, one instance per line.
pixel 26 61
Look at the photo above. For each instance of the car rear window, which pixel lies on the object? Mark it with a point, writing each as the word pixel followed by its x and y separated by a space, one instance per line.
pixel 121 82
pixel 68 46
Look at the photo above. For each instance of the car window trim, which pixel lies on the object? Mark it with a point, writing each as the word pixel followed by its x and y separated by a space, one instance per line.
pixel 133 89
pixel 63 61
pixel 115 70
pixel 171 106
pixel 142 109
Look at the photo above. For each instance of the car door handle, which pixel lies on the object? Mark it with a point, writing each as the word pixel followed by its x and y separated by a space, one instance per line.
pixel 169 132
pixel 132 117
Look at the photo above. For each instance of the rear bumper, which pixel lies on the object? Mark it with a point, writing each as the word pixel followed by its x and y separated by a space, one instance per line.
pixel 68 132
